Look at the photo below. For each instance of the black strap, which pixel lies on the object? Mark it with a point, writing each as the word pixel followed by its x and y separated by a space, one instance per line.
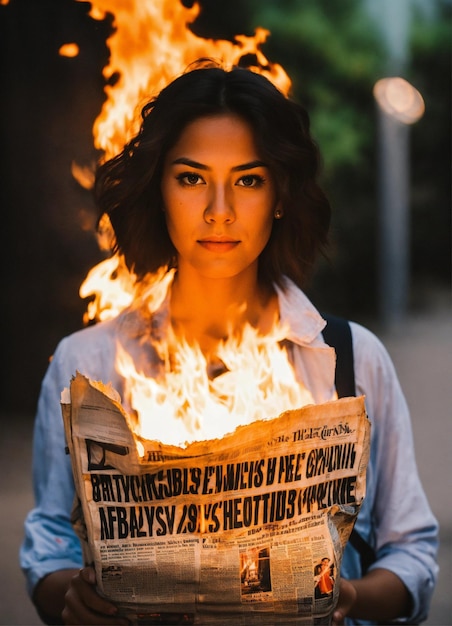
pixel 366 553
pixel 337 333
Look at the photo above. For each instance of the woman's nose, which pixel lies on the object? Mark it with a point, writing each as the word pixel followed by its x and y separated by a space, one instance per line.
pixel 220 206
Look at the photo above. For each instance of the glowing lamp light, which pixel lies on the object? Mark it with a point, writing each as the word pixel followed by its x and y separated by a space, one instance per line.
pixel 399 99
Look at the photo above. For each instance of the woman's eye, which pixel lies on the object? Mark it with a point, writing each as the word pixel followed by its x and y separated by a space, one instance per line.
pixel 251 180
pixel 190 179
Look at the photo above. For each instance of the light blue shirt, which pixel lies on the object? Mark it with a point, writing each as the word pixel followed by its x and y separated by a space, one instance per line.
pixel 395 516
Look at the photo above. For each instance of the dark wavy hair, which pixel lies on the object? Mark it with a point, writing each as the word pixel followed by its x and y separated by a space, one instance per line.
pixel 127 187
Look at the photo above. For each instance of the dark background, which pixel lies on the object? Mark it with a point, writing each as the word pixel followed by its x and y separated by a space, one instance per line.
pixel 48 107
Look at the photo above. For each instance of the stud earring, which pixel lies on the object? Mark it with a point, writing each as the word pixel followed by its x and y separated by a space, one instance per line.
pixel 278 214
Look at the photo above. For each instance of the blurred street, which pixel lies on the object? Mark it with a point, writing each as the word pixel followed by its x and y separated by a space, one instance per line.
pixel 422 351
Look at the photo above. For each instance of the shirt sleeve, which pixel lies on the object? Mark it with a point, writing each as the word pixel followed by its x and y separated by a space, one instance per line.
pixel 50 543
pixel 403 525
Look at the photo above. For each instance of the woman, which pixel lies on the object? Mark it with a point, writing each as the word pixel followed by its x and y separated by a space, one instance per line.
pixel 324 581
pixel 221 184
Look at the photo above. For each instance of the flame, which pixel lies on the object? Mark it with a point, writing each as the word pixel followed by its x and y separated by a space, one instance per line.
pixel 112 286
pixel 150 46
pixel 69 50
pixel 186 404
pixel 83 175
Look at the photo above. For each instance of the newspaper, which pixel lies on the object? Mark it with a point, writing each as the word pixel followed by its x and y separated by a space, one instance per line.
pixel 247 529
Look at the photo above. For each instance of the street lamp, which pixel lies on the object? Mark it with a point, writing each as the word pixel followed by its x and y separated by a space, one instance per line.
pixel 399 105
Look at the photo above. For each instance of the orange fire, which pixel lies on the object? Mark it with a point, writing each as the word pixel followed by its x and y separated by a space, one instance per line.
pixel 256 382
pixel 151 45
pixel 69 50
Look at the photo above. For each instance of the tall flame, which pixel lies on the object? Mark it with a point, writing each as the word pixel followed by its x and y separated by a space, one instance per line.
pixel 254 380
pixel 151 45
pixel 257 383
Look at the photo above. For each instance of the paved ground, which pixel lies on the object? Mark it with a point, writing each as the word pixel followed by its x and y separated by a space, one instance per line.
pixel 422 352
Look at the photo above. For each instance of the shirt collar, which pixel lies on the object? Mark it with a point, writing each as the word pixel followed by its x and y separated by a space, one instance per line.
pixel 298 312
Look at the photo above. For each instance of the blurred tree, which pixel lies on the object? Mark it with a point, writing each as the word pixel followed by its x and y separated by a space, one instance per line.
pixel 430 72
pixel 334 53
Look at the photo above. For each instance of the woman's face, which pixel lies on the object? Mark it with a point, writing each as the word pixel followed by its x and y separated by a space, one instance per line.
pixel 219 197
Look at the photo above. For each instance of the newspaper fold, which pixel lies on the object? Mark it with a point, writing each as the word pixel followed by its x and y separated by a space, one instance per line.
pixel 248 529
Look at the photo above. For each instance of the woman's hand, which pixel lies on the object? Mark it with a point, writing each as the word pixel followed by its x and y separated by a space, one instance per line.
pixel 83 605
pixel 379 596
pixel 347 598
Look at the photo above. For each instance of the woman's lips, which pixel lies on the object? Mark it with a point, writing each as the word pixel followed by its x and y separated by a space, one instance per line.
pixel 218 245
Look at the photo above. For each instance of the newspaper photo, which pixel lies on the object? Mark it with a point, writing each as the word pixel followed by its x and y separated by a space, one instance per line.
pixel 246 529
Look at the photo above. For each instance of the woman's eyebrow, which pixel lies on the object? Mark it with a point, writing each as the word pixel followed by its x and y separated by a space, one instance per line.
pixel 249 166
pixel 190 163
pixel 201 166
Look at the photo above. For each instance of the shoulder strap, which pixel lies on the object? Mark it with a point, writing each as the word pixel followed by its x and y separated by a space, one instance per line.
pixel 337 333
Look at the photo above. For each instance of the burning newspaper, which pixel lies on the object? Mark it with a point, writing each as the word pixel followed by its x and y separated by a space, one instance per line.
pixel 247 529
